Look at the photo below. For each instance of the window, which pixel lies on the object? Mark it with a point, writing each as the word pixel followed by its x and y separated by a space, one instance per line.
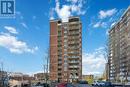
pixel 65 40
pixel 65 50
pixel 65 36
pixel 65 57
pixel 65 31
pixel 65 67
pixel 129 35
pixel 65 61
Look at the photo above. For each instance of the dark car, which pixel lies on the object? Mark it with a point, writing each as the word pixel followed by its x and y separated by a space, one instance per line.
pixel 82 84
pixel 107 84
pixel 41 85
pixel 70 85
pixel 65 85
pixel 45 85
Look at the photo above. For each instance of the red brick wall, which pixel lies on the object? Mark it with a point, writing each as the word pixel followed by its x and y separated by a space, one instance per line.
pixel 53 51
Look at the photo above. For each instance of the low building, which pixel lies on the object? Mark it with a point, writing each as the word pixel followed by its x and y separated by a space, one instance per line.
pixel 17 79
pixel 88 78
pixel 21 77
pixel 41 76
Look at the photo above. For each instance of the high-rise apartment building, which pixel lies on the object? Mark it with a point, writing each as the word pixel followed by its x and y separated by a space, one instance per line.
pixel 66 50
pixel 119 49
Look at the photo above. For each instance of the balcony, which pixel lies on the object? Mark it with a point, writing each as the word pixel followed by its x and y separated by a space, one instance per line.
pixel 74 42
pixel 74 37
pixel 73 52
pixel 72 67
pixel 59 67
pixel 73 62
pixel 73 57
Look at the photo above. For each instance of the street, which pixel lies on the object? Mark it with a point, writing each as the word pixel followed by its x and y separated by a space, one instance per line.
pixel 86 85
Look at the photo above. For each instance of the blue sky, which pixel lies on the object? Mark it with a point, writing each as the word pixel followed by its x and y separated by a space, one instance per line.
pixel 24 40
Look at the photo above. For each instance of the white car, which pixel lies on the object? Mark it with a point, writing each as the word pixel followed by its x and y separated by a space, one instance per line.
pixel 101 83
pixel 95 83
pixel 98 83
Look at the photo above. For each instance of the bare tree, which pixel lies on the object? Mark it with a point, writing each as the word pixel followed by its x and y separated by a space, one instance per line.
pixel 106 56
pixel 4 76
pixel 46 66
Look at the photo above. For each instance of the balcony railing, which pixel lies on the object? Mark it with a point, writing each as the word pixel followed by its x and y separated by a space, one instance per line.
pixel 73 61
pixel 73 66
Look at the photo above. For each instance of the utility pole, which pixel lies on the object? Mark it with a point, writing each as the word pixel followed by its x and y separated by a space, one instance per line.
pixel 2 74
pixel 44 72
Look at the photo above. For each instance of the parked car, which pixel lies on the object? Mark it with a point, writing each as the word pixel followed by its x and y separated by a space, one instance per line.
pixel 95 83
pixel 61 85
pixel 41 85
pixel 98 83
pixel 82 84
pixel 108 84
pixel 25 85
pixel 45 85
pixel 101 83
pixel 70 85
pixel 65 85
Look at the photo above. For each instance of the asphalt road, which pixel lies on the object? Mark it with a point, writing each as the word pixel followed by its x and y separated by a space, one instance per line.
pixel 82 85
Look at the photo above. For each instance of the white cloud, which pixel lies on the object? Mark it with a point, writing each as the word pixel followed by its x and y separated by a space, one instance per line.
pixel 73 1
pixel 77 9
pixel 96 25
pixel 108 13
pixel 74 8
pixel 67 10
pixel 100 24
pixel 94 63
pixel 11 29
pixel 24 25
pixel 52 13
pixel 51 18
pixel 64 12
pixel 14 45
